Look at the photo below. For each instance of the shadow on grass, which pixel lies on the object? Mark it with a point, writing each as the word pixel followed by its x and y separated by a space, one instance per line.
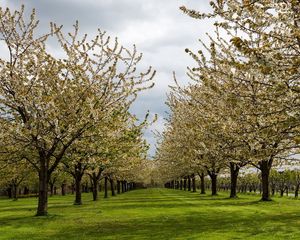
pixel 179 215
pixel 183 226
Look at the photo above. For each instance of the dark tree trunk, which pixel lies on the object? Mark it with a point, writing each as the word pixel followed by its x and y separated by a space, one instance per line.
pixel 234 172
pixel 184 184
pixel 181 184
pixel 73 188
pixel 273 191
pixel 297 190
pixel 78 200
pixel 94 186
pixel 189 183
pixel 193 183
pixel 86 188
pixel 122 184
pixel 77 174
pixel 42 209
pixel 63 189
pixel 51 189
pixel 118 187
pixel 95 178
pixel 26 190
pixel 112 187
pixel 213 177
pixel 281 192
pixel 265 167
pixel 125 186
pixel 105 187
pixel 202 183
pixel 9 192
pixel 15 192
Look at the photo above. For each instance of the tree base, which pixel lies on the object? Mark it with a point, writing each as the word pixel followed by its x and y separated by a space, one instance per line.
pixel 234 197
pixel 41 214
pixel 266 200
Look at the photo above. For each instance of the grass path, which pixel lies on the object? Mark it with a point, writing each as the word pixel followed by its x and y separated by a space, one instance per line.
pixel 153 214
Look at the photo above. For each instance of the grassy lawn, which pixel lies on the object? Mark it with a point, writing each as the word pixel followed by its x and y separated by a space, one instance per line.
pixel 153 214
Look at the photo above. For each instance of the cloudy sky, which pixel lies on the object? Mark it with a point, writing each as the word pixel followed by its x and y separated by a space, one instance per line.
pixel 158 28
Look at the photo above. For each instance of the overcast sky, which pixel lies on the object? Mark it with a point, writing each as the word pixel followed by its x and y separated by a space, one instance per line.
pixel 158 28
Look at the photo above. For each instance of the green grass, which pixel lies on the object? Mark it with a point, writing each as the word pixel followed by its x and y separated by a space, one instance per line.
pixel 153 214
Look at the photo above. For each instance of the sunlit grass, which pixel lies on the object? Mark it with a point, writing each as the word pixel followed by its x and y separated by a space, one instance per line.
pixel 153 214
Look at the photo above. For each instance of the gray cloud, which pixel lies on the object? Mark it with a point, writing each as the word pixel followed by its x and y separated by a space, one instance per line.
pixel 158 28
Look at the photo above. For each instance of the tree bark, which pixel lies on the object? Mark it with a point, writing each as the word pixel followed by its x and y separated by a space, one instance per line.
pixel 118 187
pixel 213 177
pixel 125 186
pixel 78 200
pixel 202 183
pixel 122 184
pixel 193 183
pixel 51 189
pixel 189 183
pixel 94 186
pixel 265 167
pixel 9 192
pixel 112 187
pixel 234 172
pixel 105 187
pixel 15 192
pixel 180 184
pixel 184 184
pixel 78 173
pixel 297 190
pixel 63 189
pixel 42 209
pixel 281 192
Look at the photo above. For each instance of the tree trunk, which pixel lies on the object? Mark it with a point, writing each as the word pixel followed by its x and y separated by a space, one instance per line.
pixel 78 200
pixel 184 184
pixel 234 172
pixel 213 177
pixel 265 172
pixel 125 186
pixel 189 183
pixel 297 190
pixel 180 184
pixel 15 192
pixel 94 181
pixel 122 184
pixel 281 192
pixel 118 187
pixel 193 183
pixel 202 183
pixel 42 209
pixel 9 192
pixel 63 189
pixel 273 190
pixel 112 187
pixel 105 187
pixel 51 189
pixel 26 190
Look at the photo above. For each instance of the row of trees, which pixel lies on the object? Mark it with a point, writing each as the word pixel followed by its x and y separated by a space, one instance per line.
pixel 281 182
pixel 242 107
pixel 24 182
pixel 68 113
